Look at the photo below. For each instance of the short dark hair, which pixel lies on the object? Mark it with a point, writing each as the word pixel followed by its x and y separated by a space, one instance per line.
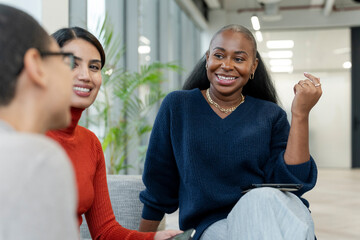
pixel 62 36
pixel 18 33
pixel 260 87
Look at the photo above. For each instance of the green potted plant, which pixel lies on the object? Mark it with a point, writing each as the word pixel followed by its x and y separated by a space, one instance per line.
pixel 123 113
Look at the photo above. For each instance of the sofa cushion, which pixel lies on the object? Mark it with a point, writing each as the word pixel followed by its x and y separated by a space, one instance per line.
pixel 124 193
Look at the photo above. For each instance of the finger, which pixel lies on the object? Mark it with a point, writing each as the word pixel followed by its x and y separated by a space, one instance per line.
pixel 313 79
pixel 301 82
pixel 305 83
pixel 297 88
pixel 308 83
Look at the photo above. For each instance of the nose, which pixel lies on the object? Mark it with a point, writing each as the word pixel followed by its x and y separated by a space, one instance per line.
pixel 83 73
pixel 227 65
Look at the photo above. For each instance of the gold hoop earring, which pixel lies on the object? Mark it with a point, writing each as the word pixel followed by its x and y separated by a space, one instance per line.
pixel 206 66
pixel 252 76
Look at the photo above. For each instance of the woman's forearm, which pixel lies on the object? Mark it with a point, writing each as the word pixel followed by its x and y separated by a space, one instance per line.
pixel 307 93
pixel 148 225
pixel 297 150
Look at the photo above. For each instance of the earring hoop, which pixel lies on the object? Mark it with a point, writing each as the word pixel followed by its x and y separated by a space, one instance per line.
pixel 252 76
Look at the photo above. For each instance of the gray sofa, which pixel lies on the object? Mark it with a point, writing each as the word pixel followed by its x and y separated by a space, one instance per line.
pixel 124 195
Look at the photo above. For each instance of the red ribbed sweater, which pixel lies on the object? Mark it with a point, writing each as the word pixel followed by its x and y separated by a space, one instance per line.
pixel 85 152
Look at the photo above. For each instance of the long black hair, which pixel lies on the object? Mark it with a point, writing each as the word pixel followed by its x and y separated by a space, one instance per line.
pixel 260 87
pixel 62 36
pixel 18 33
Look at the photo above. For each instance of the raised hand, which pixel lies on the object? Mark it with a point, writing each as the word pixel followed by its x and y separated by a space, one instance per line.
pixel 307 93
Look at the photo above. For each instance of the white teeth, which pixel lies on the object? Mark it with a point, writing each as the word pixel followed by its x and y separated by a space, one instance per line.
pixel 81 89
pixel 225 78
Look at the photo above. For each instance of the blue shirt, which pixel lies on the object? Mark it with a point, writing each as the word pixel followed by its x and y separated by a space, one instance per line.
pixel 200 163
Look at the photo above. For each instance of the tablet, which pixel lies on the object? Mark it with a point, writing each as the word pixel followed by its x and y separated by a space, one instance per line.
pixel 287 187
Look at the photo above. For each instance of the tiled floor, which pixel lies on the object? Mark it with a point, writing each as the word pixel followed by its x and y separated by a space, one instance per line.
pixel 334 203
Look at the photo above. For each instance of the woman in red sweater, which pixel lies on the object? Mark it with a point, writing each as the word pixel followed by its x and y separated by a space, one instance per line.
pixel 83 147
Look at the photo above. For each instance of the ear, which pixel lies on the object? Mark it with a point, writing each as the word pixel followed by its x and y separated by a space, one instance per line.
pixel 34 68
pixel 207 58
pixel 207 55
pixel 254 66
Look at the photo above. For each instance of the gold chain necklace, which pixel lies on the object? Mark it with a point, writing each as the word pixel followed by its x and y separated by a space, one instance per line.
pixel 224 110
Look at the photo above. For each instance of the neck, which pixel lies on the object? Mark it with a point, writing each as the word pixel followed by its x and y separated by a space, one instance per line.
pixel 75 117
pixel 25 119
pixel 226 101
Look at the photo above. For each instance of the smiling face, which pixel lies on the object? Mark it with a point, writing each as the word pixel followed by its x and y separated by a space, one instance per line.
pixel 230 62
pixel 87 72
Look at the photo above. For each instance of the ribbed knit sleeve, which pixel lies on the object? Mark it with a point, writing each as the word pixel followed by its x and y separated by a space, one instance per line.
pixel 277 171
pixel 100 217
pixel 160 171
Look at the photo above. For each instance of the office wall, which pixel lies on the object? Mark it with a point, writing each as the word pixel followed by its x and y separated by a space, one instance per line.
pixel 52 14
pixel 330 119
pixel 34 7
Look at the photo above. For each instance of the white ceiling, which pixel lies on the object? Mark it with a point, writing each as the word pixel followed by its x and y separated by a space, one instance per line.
pixel 244 5
pixel 321 39
pixel 284 14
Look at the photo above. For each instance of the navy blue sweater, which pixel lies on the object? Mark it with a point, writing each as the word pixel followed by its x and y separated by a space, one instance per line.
pixel 200 163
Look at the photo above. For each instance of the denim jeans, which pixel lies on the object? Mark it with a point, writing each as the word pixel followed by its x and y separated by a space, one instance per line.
pixel 264 214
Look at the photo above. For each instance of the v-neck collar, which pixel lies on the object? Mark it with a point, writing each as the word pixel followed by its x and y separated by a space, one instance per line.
pixel 214 114
pixel 222 124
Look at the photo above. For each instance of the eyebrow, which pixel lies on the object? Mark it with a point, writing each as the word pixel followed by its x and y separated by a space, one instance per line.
pixel 236 52
pixel 91 61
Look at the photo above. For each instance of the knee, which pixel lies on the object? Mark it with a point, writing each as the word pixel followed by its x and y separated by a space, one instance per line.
pixel 255 200
pixel 264 194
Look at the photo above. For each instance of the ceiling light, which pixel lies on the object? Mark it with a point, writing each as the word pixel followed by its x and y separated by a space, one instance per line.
pixel 280 54
pixel 144 40
pixel 280 44
pixel 255 23
pixel 288 69
pixel 144 49
pixel 347 65
pixel 280 62
pixel 213 3
pixel 339 51
pixel 259 36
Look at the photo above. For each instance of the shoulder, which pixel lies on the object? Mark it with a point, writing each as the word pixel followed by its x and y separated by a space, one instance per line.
pixel 180 100
pixel 266 107
pixel 89 136
pixel 266 110
pixel 34 152
pixel 39 177
pixel 31 143
pixel 181 96
pixel 87 133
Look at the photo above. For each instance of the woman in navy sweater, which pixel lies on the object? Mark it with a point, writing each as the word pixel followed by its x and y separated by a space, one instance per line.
pixel 223 133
